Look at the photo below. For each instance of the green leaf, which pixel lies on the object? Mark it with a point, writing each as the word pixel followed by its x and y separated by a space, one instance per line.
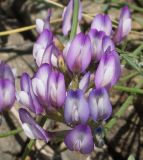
pixel 131 157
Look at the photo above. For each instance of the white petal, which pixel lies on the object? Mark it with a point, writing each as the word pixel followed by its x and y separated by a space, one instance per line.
pixel 39 25
pixel 38 87
pixel 108 74
pixel 23 98
pixel 126 26
pixel 28 131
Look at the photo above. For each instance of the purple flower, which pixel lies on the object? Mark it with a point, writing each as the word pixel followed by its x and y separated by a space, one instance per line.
pixel 102 22
pixel 76 107
pixel 84 82
pixel 56 89
pixel 31 128
pixel 96 40
pixel 7 94
pixel 40 84
pixel 124 26
pixel 26 96
pixel 44 40
pixel 41 25
pixel 67 16
pixel 100 43
pixel 50 56
pixel 6 72
pixel 108 71
pixel 80 139
pixel 7 87
pixel 107 43
pixel 99 104
pixel 79 52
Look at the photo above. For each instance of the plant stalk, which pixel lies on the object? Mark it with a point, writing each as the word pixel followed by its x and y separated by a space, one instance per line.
pixel 75 19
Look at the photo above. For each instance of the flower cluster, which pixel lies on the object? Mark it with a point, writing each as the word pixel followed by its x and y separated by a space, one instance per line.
pixel 75 79
pixel 72 80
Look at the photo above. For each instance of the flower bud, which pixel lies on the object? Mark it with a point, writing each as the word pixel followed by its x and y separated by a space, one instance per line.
pixel 76 107
pixel 26 96
pixel 80 139
pixel 100 43
pixel 124 26
pixel 78 54
pixel 56 89
pixel 31 128
pixel 102 22
pixel 108 71
pixel 6 72
pixel 99 104
pixel 7 87
pixel 96 38
pixel 44 40
pixel 40 84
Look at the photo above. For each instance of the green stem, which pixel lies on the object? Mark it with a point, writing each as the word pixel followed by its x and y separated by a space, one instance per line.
pixel 10 133
pixel 75 19
pixel 128 89
pixel 132 64
pixel 129 76
pixel 126 53
pixel 121 111
pixel 28 148
pixel 136 8
pixel 129 57
pixel 138 49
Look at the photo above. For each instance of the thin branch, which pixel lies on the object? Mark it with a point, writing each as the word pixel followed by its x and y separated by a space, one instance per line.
pixel 10 133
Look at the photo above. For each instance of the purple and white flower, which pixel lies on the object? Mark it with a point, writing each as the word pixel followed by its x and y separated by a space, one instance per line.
pixel 99 104
pixel 31 128
pixel 56 89
pixel 40 84
pixel 78 54
pixel 102 22
pixel 124 26
pixel 96 38
pixel 76 107
pixel 44 40
pixel 100 43
pixel 80 139
pixel 108 71
pixel 6 72
pixel 26 96
pixel 7 88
